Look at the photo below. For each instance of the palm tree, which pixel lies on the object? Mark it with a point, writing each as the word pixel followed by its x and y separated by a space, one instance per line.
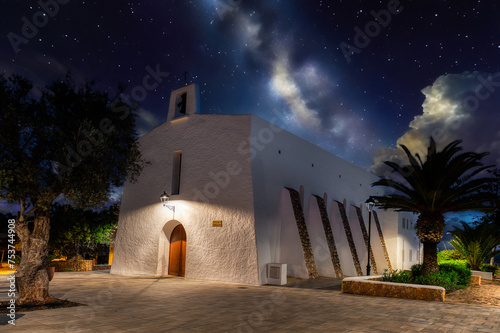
pixel 475 244
pixel 445 182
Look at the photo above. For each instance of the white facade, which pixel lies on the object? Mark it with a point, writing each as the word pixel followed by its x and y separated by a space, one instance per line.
pixel 236 169
pixel 409 248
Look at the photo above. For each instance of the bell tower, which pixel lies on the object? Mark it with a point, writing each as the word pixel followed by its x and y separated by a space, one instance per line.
pixel 184 102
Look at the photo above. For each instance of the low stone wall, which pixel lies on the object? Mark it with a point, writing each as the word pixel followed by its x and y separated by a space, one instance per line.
pixel 475 280
pixel 101 267
pixel 73 265
pixel 365 285
pixel 483 275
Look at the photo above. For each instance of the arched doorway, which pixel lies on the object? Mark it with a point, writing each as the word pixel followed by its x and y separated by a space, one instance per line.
pixel 177 260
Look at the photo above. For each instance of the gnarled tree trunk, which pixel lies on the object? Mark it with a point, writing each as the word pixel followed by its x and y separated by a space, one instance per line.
pixel 32 279
pixel 430 231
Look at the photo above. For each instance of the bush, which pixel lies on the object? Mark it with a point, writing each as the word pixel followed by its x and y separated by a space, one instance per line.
pixel 462 263
pixel 451 276
pixel 416 270
pixel 488 268
pixel 463 273
pixel 449 255
pixel 397 277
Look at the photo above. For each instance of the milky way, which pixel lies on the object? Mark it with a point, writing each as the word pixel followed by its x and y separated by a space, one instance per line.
pixel 355 77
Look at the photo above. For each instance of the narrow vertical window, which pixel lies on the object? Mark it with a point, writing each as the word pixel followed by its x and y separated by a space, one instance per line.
pixel 176 172
pixel 403 222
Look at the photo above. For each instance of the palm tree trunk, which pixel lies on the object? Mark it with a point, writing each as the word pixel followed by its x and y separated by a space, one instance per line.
pixel 430 264
pixel 430 231
pixel 31 278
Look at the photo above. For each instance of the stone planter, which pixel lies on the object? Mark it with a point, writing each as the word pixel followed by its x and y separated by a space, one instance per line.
pixel 475 280
pixel 483 275
pixel 50 272
pixel 366 285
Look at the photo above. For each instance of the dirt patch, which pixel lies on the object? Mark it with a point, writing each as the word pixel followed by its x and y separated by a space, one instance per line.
pixel 52 303
pixel 488 293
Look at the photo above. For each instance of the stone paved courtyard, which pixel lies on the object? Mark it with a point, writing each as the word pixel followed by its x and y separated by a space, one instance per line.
pixel 141 304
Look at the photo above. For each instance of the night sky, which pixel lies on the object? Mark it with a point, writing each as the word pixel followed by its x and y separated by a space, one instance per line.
pixel 426 68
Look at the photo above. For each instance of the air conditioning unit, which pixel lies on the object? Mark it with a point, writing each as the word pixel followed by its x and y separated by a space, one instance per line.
pixel 276 273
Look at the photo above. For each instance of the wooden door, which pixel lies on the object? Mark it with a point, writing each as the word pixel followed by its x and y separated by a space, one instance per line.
pixel 177 261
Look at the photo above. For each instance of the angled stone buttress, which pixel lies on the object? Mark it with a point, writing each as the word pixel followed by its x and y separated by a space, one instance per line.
pixel 350 240
pixel 304 235
pixel 329 237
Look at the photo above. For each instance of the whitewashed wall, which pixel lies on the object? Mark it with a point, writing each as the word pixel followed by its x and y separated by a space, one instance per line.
pixel 208 144
pixel 234 169
pixel 302 163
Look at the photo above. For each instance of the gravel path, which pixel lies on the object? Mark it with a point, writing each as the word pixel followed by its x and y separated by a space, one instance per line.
pixel 488 293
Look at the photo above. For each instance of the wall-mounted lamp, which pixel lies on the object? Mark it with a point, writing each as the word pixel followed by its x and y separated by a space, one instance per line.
pixel 164 199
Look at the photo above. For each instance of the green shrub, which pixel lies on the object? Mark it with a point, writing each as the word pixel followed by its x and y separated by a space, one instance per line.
pixel 463 273
pixel 462 262
pixel 449 255
pixel 451 276
pixel 475 244
pixel 397 277
pixel 488 268
pixel 416 270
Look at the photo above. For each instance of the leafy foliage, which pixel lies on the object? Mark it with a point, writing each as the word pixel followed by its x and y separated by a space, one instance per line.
pixel 82 232
pixel 416 270
pixel 398 276
pixel 451 277
pixel 61 141
pixel 71 140
pixel 447 181
pixel 449 255
pixel 443 183
pixel 475 244
pixel 489 268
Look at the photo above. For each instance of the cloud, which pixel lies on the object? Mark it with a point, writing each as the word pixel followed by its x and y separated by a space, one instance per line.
pixel 146 121
pixel 456 107
pixel 300 85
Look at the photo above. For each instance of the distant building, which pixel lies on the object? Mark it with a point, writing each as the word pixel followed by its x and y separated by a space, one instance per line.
pixel 248 194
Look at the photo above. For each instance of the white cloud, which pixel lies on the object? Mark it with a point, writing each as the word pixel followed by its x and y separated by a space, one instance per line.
pixel 146 121
pixel 456 107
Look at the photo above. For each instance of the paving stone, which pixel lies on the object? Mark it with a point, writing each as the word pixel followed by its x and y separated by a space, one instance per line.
pixel 118 303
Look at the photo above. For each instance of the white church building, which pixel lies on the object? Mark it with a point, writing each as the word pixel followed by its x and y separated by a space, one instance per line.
pixel 251 203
